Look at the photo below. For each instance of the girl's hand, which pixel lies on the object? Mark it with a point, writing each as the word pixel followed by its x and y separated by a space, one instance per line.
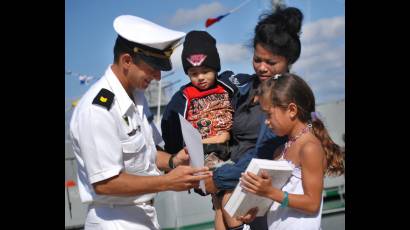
pixel 259 185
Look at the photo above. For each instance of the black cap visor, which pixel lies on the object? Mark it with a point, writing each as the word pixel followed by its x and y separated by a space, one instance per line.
pixel 163 64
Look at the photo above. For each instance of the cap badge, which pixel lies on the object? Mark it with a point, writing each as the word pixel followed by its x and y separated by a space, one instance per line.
pixel 196 59
pixel 164 54
pixel 168 53
pixel 103 99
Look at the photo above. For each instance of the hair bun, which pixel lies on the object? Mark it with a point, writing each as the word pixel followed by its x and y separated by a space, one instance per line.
pixel 293 18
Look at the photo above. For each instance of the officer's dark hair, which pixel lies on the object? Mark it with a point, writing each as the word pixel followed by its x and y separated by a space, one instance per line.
pixel 122 46
pixel 279 32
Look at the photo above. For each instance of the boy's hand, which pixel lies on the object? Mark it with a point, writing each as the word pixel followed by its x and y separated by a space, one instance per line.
pixel 249 216
pixel 210 185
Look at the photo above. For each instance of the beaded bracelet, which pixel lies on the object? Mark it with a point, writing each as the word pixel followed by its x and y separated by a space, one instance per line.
pixel 285 200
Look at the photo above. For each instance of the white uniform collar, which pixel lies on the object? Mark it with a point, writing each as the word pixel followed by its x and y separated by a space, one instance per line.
pixel 139 99
pixel 121 96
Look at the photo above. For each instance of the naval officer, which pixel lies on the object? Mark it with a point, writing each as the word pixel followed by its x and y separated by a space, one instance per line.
pixel 114 138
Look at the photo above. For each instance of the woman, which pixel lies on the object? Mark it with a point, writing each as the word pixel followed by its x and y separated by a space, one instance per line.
pixel 277 46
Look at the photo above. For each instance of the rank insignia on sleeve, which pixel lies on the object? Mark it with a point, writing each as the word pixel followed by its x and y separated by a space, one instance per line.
pixel 104 98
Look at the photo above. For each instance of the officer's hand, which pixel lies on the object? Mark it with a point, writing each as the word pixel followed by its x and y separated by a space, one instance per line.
pixel 182 157
pixel 185 177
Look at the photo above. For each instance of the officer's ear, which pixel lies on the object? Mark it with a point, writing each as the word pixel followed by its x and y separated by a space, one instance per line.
pixel 126 60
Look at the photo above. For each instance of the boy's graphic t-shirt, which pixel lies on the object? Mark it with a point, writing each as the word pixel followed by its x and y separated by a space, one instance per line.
pixel 209 111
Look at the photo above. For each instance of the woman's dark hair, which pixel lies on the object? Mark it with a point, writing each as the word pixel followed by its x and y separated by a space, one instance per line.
pixel 287 88
pixel 279 32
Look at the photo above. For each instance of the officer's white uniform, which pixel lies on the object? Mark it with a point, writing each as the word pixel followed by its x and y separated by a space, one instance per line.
pixel 112 133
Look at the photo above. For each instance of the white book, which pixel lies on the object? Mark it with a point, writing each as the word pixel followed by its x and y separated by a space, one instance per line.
pixel 241 201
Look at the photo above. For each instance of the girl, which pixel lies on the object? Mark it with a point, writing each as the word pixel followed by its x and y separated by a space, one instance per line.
pixel 290 104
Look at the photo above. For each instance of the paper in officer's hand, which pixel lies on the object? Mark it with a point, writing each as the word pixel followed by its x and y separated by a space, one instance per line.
pixel 193 142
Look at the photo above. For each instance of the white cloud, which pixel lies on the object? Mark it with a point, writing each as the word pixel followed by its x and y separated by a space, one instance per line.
pixel 329 89
pixel 188 16
pixel 325 29
pixel 323 56
pixel 233 53
pixel 322 62
pixel 309 50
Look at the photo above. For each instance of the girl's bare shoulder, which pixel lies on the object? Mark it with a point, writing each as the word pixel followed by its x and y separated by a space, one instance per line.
pixel 311 148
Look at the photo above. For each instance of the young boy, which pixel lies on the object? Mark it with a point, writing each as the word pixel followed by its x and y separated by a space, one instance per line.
pixel 204 102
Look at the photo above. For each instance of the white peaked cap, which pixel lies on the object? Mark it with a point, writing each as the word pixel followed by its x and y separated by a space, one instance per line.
pixel 139 30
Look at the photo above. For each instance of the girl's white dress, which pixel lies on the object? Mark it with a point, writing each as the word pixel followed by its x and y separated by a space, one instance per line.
pixel 290 218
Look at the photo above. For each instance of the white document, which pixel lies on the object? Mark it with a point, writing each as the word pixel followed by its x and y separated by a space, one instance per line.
pixel 241 201
pixel 193 142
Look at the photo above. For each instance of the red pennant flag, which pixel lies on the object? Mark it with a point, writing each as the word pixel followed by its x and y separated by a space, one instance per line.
pixel 211 21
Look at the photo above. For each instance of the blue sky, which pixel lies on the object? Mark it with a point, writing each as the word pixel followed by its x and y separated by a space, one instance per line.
pixel 89 38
